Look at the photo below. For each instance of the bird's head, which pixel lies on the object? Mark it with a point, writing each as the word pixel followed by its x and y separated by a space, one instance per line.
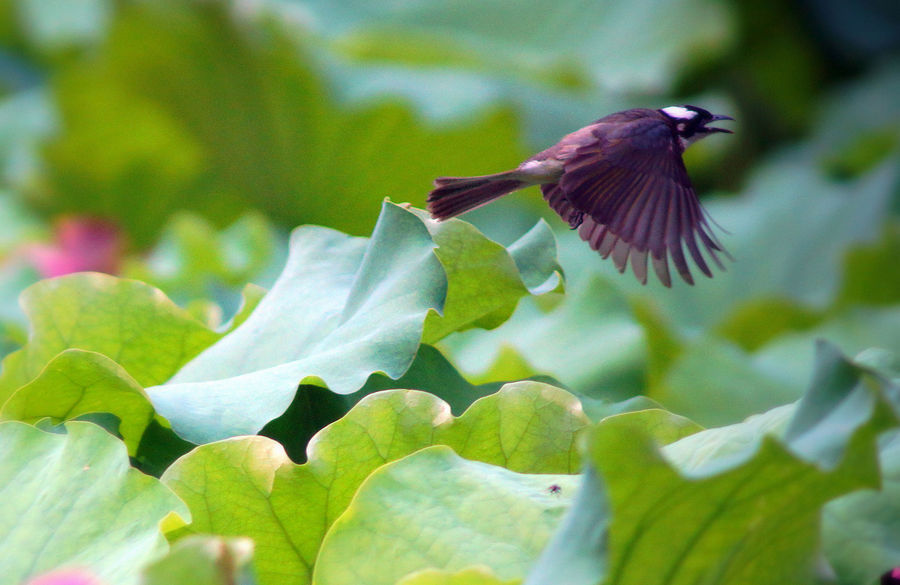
pixel 691 122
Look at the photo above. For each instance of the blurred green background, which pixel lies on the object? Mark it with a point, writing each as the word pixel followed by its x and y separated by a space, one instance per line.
pixel 179 142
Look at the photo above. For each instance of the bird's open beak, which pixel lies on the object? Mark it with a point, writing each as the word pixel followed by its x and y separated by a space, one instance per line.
pixel 716 118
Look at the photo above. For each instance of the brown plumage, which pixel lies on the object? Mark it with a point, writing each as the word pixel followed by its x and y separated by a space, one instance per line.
pixel 621 182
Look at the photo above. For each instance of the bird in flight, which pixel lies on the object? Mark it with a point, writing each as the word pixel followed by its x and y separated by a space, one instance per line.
pixel 621 182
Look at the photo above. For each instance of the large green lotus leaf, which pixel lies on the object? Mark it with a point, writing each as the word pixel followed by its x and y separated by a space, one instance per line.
pixel 204 560
pixel 527 427
pixel 790 356
pixel 883 361
pixel 55 26
pixel 78 382
pixel 433 373
pixel 508 364
pixel 620 45
pixel 15 276
pixel 225 111
pixel 26 118
pixel 473 576
pixel 315 407
pixel 71 499
pixel 862 530
pixel 767 217
pixel 466 515
pixel 128 321
pixel 872 276
pixel 450 95
pixel 342 309
pixel 850 144
pixel 714 382
pixel 754 323
pixel 251 296
pixel 590 342
pixel 486 278
pixel 435 509
pixel 193 259
pixel 738 504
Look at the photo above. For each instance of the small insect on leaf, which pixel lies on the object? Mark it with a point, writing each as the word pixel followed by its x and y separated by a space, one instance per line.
pixel 555 489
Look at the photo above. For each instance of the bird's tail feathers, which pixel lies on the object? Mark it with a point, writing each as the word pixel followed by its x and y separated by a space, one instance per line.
pixel 453 196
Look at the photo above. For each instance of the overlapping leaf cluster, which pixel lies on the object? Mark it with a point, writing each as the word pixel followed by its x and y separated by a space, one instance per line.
pixel 398 477
pixel 349 314
pixel 351 421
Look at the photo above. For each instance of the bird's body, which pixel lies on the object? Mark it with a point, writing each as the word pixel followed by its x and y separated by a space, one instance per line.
pixel 620 181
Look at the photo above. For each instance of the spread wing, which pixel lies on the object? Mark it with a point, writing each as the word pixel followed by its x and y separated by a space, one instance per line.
pixel 630 196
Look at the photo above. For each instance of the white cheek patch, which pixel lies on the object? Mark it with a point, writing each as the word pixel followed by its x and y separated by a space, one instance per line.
pixel 680 113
